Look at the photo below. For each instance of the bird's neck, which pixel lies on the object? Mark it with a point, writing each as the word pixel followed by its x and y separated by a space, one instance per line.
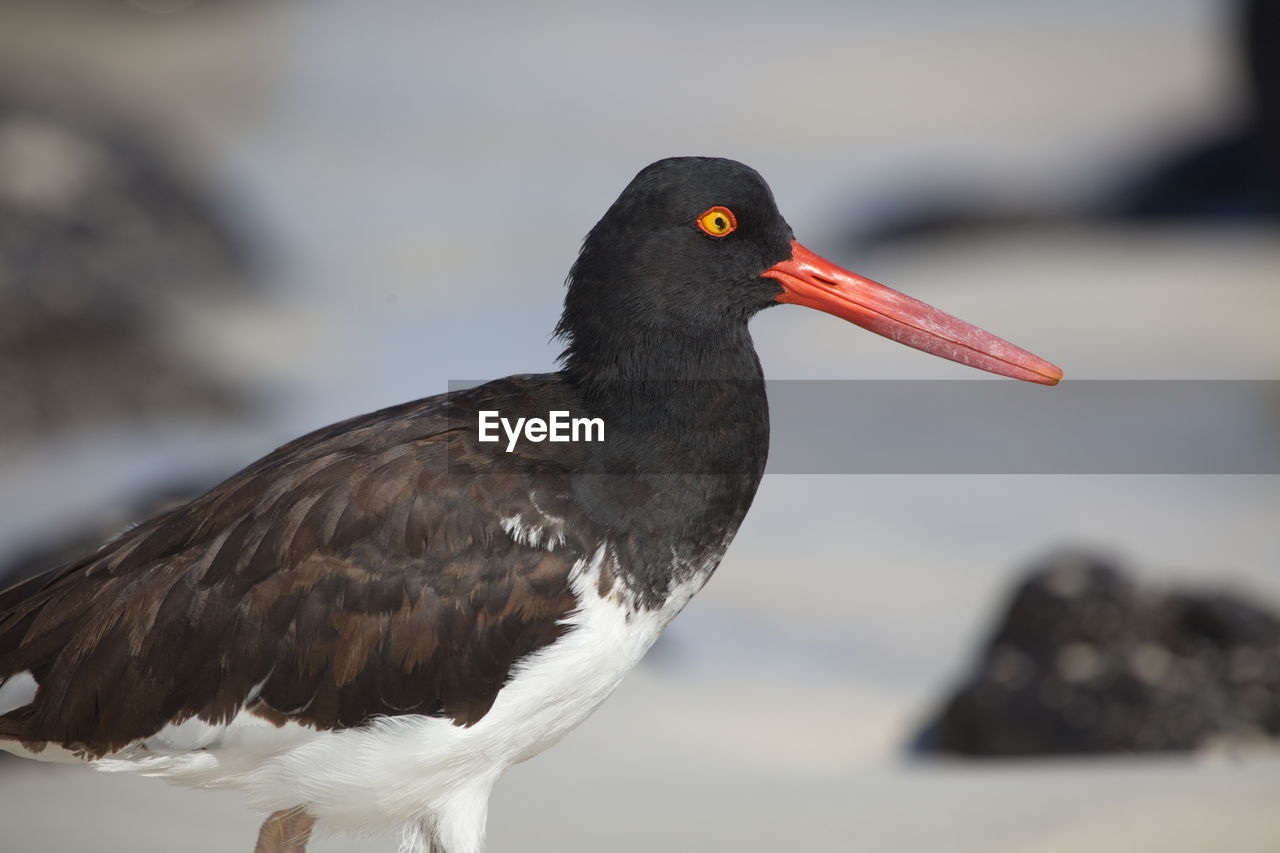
pixel 687 422
pixel 705 385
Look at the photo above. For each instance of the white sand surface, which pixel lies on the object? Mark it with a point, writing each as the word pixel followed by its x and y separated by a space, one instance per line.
pixel 639 777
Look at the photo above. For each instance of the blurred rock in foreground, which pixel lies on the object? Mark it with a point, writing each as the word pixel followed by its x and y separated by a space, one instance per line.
pixel 102 235
pixel 1086 660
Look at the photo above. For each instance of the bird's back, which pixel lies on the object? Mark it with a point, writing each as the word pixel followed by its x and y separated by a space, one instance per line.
pixel 366 569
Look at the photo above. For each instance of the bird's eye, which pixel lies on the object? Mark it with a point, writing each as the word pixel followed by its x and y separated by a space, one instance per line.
pixel 718 221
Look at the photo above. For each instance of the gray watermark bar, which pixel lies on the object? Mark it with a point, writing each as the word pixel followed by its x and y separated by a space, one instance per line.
pixel 1002 427
pixel 995 427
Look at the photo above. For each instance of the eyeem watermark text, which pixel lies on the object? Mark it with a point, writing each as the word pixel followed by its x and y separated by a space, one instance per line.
pixel 558 426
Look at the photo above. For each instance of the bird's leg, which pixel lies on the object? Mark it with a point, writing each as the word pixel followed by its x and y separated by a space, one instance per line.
pixel 286 831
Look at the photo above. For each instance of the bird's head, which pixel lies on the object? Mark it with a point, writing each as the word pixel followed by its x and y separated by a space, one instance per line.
pixel 695 246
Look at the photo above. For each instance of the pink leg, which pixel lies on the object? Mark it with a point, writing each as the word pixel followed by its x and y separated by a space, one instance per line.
pixel 286 831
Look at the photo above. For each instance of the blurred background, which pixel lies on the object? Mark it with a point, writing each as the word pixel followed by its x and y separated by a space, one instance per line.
pixel 223 224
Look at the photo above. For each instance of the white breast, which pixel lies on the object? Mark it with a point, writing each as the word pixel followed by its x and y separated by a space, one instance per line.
pixel 425 772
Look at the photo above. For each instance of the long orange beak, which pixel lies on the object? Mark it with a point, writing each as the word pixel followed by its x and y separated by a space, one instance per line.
pixel 809 280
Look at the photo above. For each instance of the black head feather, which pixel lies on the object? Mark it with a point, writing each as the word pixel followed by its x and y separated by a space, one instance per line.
pixel 647 277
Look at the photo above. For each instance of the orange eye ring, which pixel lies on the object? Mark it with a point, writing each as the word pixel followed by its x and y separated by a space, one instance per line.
pixel 717 221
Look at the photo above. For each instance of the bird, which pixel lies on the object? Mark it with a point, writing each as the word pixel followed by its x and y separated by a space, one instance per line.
pixel 364 629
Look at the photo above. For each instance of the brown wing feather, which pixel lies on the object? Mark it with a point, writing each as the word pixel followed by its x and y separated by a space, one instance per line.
pixel 350 574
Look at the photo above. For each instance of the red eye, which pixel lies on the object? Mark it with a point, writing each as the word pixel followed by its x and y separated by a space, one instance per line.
pixel 717 221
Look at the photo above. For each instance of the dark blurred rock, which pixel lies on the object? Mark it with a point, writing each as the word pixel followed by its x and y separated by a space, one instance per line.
pixel 1086 661
pixel 102 237
pixel 1226 176
pixel 1232 176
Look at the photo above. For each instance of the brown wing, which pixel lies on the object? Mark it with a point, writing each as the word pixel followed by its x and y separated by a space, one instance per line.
pixel 360 571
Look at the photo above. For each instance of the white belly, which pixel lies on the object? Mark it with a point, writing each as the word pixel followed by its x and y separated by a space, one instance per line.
pixel 417 770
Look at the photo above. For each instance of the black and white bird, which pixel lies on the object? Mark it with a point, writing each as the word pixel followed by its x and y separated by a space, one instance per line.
pixel 365 628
